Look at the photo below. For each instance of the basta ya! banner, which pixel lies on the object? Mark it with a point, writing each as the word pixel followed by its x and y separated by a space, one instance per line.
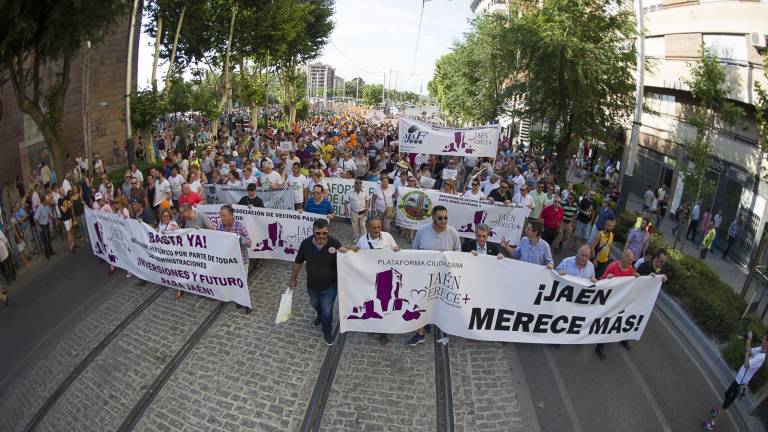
pixel 197 261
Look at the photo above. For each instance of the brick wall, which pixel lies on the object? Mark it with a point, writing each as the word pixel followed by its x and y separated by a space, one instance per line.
pixel 107 63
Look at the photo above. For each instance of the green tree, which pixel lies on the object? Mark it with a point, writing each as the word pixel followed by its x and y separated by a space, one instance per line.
pixel 576 58
pixel 372 93
pixel 146 108
pixel 38 41
pixel 709 87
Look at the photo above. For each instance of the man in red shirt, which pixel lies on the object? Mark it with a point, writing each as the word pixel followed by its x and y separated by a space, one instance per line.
pixel 188 197
pixel 552 216
pixel 622 267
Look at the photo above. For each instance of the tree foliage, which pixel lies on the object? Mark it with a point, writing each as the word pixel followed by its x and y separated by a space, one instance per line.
pixel 38 41
pixel 570 62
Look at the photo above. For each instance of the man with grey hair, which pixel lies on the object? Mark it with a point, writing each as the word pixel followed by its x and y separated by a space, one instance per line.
pixel 270 179
pixel 579 265
pixel 357 208
pixel 480 245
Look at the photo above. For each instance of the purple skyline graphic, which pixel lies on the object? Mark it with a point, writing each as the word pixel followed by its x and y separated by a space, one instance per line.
pixel 101 245
pixel 275 240
pixel 458 144
pixel 387 300
pixel 479 218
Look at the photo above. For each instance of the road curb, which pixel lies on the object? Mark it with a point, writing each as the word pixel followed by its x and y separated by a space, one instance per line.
pixel 706 349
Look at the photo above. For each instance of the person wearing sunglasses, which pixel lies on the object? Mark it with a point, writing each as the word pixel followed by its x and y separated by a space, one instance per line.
pixel 437 236
pixel 319 251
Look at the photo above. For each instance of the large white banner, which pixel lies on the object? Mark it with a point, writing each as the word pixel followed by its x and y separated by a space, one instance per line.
pixel 419 137
pixel 480 297
pixel 414 210
pixel 198 261
pixel 336 192
pixel 273 198
pixel 274 233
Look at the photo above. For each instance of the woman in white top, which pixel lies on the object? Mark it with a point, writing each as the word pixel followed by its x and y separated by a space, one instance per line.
pixel 168 225
pixel 475 192
pixel 384 202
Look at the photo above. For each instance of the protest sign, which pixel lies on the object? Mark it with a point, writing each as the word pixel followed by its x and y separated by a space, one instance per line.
pixel 336 190
pixel 274 233
pixel 480 297
pixel 273 198
pixel 420 137
pixel 197 261
pixel 286 146
pixel 450 174
pixel 414 210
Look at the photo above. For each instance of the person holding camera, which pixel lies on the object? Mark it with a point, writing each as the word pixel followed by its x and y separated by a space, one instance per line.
pixel 753 361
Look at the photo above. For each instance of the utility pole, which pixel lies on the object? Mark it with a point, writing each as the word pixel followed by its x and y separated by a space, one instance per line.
pixel 637 119
pixel 129 83
pixel 357 88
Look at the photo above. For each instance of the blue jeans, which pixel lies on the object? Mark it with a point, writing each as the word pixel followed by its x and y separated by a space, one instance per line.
pixel 322 301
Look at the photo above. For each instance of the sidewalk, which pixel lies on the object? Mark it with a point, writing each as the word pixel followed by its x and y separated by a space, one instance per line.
pixel 730 272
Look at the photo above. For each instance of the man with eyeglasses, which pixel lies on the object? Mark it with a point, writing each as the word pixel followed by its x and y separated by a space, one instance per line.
pixel 532 248
pixel 319 251
pixel 125 188
pixel 318 204
pixel 437 236
pixel 552 217
pixel 501 194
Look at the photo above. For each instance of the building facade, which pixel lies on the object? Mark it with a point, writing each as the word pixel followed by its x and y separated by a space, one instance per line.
pixel 93 113
pixel 320 81
pixel 675 31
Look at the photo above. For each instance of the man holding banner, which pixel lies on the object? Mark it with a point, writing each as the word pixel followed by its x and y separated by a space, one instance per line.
pixel 438 236
pixel 319 251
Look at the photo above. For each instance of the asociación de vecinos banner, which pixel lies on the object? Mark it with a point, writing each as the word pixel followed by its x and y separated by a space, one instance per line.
pixel 419 137
pixel 198 261
pixel 274 233
pixel 414 210
pixel 481 297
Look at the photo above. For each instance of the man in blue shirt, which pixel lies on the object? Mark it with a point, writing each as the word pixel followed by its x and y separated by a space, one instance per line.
pixel 604 213
pixel 43 219
pixel 532 248
pixel 578 265
pixel 319 204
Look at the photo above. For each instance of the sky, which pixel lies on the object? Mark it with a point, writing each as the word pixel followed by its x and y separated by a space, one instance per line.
pixel 372 37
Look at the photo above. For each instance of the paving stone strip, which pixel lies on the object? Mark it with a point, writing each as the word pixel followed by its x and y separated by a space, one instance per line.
pixel 25 394
pixel 104 394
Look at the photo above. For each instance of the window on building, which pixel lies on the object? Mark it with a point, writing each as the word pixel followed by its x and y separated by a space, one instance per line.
pixel 655 47
pixel 652 5
pixel 727 48
pixel 662 104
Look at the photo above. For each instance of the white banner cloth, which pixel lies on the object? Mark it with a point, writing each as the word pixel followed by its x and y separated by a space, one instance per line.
pixel 198 261
pixel 336 192
pixel 420 137
pixel 274 233
pixel 480 297
pixel 273 198
pixel 414 210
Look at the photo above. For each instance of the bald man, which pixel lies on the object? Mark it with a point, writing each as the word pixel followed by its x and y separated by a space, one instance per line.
pixel 578 265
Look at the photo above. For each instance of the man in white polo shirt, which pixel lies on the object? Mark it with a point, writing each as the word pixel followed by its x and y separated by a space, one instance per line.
pixel 357 206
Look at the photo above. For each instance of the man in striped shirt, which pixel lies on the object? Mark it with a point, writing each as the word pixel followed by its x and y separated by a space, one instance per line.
pixel 566 228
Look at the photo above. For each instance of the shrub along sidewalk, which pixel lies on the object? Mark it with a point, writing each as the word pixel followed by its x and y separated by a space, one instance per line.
pixel 711 303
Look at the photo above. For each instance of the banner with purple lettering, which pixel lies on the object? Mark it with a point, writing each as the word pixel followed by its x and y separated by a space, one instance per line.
pixel 273 198
pixel 197 261
pixel 484 298
pixel 420 137
pixel 275 234
pixel 414 210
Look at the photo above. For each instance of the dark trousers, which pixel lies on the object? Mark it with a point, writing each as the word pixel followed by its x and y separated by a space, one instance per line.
pixel 692 230
pixel 601 266
pixel 45 238
pixel 730 395
pixel 8 269
pixel 731 240
pixel 549 235
pixel 322 301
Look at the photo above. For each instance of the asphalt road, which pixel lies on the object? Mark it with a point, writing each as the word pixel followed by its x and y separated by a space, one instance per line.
pixel 660 385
